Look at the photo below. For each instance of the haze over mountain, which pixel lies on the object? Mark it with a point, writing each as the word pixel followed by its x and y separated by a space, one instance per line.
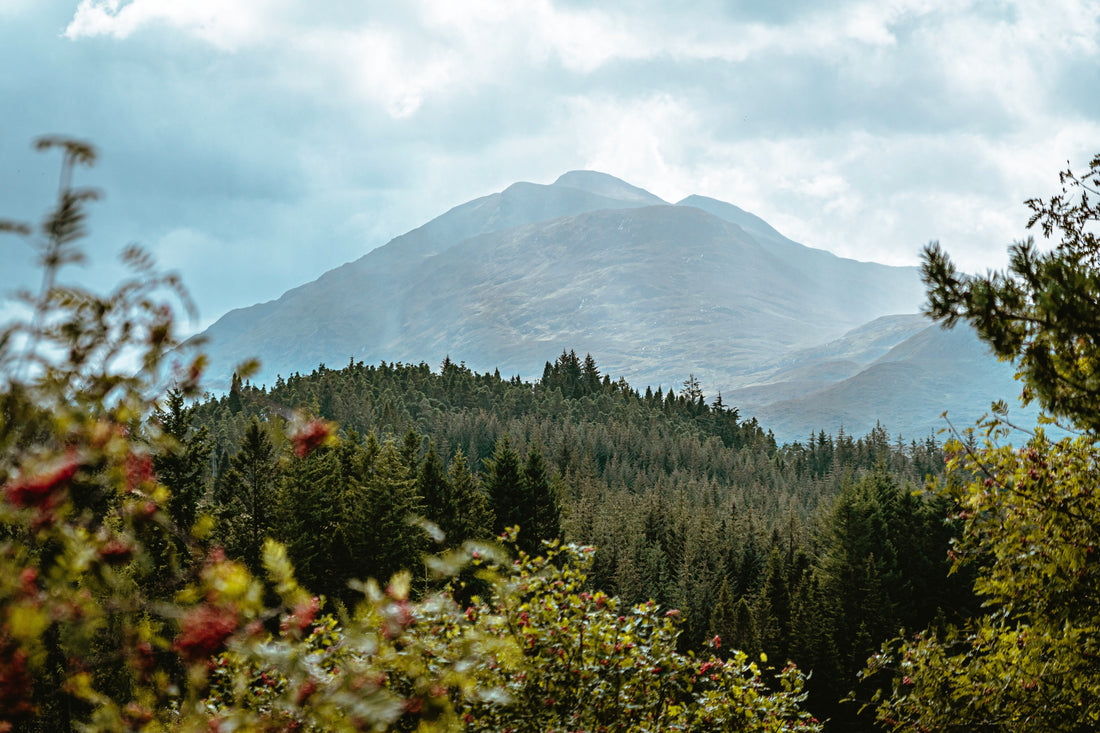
pixel 653 290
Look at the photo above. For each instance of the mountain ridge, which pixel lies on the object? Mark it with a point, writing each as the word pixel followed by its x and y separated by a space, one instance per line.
pixel 592 263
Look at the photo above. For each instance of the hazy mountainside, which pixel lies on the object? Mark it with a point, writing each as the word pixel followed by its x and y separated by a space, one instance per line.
pixel 655 291
pixel 354 308
pixel 890 374
pixel 588 262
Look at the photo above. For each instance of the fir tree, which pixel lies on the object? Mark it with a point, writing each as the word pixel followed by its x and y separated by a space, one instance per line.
pixel 469 516
pixel 183 470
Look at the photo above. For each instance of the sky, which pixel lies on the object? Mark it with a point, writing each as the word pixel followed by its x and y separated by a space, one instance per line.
pixel 252 145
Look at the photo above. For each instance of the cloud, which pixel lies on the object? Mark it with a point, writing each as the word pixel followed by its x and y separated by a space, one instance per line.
pixel 281 138
pixel 226 25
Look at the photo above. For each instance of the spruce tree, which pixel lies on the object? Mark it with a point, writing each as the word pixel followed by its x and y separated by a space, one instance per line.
pixel 248 495
pixel 744 636
pixel 183 469
pixel 431 484
pixel 469 516
pixel 504 485
pixel 540 518
pixel 774 617
pixel 723 623
pixel 392 503
pixel 310 516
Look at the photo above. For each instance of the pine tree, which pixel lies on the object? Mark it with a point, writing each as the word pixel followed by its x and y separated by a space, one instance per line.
pixel 431 484
pixel 377 537
pixel 235 394
pixel 723 623
pixel 183 470
pixel 393 503
pixel 590 375
pixel 744 636
pixel 309 519
pixel 774 617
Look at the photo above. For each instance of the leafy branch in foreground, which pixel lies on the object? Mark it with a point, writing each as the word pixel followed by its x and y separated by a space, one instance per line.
pixel 1030 516
pixel 1042 312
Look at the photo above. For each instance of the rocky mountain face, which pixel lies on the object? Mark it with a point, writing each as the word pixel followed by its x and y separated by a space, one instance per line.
pixel 654 291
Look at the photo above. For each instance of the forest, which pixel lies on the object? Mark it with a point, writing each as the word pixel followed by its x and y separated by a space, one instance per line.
pixel 781 550
pixel 397 547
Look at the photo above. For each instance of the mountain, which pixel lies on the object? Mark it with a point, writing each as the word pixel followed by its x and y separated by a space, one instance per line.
pixel 653 290
pixel 588 262
pixel 900 371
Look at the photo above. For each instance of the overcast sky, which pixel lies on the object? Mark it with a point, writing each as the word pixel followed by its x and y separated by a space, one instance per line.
pixel 254 144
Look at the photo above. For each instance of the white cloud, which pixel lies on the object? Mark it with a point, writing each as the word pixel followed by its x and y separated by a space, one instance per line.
pixel 869 126
pixel 226 25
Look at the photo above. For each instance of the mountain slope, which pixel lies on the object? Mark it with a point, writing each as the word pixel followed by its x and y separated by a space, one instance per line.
pixel 798 337
pixel 907 389
pixel 590 262
pixel 334 316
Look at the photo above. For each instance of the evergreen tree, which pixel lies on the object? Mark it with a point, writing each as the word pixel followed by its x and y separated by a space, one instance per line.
pixel 541 517
pixel 723 623
pixel 235 403
pixel 469 517
pixel 774 616
pixel 410 451
pixel 182 470
pixel 590 375
pixel 504 485
pixel 431 484
pixel 744 636
pixel 377 537
pixel 393 503
pixel 310 517
pixel 248 495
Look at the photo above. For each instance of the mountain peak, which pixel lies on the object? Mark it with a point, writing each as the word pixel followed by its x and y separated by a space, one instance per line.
pixel 751 223
pixel 607 185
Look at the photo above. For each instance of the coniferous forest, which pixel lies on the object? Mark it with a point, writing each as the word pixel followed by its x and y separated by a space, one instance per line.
pixel 402 547
pixel 814 553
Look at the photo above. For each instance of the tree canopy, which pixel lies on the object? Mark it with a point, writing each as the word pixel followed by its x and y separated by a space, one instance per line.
pixel 1030 518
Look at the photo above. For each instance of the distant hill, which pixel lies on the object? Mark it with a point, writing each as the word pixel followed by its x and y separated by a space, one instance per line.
pixel 654 290
pixel 908 387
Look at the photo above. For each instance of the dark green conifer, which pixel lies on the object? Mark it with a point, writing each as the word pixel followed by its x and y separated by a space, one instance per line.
pixel 248 495
pixel 468 515
pixel 310 515
pixel 183 470
pixel 540 516
pixel 775 609
pixel 504 485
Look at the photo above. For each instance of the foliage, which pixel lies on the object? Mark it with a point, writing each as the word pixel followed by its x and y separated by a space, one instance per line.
pixel 1031 661
pixel 1029 515
pixel 550 656
pixel 1041 312
pixel 589 663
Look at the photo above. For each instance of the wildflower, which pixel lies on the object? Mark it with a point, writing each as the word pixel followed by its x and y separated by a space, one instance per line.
pixel 307 438
pixel 116 552
pixel 139 470
pixel 38 489
pixel 303 615
pixel 204 630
